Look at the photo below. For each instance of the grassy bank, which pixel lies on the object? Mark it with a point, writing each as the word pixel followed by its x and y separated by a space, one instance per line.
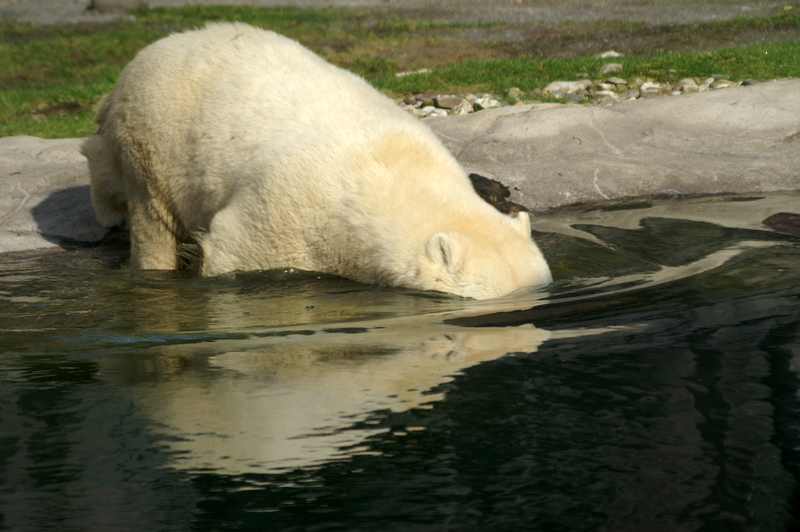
pixel 54 75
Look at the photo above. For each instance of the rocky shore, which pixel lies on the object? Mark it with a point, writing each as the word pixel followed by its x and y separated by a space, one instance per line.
pixel 605 91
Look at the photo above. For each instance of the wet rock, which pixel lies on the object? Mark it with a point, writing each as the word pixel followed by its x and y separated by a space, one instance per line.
pixel 495 194
pixel 784 222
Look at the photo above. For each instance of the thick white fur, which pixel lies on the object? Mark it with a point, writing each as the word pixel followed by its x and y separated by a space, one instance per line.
pixel 269 157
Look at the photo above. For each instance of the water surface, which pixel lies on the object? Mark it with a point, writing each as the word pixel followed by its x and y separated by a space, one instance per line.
pixel 653 387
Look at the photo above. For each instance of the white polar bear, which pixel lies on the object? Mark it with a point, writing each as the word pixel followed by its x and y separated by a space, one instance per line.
pixel 265 156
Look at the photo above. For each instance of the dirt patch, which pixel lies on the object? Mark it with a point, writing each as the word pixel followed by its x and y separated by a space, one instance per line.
pixel 513 11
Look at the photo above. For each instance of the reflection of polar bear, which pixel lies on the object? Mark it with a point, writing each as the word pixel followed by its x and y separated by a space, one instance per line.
pixel 268 403
pixel 266 156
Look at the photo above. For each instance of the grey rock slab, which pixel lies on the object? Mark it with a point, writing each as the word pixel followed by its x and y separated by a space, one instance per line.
pixel 44 194
pixel 740 140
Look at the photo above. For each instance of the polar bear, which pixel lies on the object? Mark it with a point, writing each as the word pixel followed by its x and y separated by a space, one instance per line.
pixel 262 155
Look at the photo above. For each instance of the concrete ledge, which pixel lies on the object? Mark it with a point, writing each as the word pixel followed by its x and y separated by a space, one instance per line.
pixel 44 194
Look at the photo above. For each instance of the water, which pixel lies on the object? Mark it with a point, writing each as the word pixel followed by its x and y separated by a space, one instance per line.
pixel 654 387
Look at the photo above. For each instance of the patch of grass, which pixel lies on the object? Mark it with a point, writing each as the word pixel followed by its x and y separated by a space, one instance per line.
pixel 55 75
pixel 760 62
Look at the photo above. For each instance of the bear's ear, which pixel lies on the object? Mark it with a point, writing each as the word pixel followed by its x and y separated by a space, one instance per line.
pixel 446 250
pixel 523 223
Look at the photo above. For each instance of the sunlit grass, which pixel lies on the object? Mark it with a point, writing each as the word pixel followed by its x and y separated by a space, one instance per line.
pixel 51 77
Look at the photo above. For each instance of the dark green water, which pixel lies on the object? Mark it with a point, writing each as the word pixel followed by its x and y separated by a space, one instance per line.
pixel 653 387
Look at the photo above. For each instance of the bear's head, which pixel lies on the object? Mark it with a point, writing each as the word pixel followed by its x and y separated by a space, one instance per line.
pixel 481 264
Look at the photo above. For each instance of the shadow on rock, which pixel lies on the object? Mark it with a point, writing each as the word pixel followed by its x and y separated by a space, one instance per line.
pixel 66 216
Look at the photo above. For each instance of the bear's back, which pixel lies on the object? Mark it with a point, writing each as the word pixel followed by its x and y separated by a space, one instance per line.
pixel 253 74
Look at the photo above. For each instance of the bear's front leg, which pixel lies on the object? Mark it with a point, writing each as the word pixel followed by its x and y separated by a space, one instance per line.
pixel 154 245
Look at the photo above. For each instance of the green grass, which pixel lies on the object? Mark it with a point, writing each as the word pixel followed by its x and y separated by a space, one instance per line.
pixel 52 77
pixel 759 62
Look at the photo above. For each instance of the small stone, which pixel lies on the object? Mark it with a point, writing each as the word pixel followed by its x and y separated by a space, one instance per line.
pixel 605 86
pixel 630 94
pixel 686 85
pixel 514 93
pixel 722 84
pixel 650 94
pixel 720 76
pixel 558 89
pixel 748 82
pixel 705 84
pixel 429 111
pixel 605 101
pixel 576 96
pixel 447 102
pixel 609 53
pixel 616 81
pixel 611 67
pixel 463 108
pixel 650 90
pixel 485 103
pixel 582 75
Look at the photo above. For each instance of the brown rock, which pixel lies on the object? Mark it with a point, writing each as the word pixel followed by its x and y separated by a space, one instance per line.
pixel 785 222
